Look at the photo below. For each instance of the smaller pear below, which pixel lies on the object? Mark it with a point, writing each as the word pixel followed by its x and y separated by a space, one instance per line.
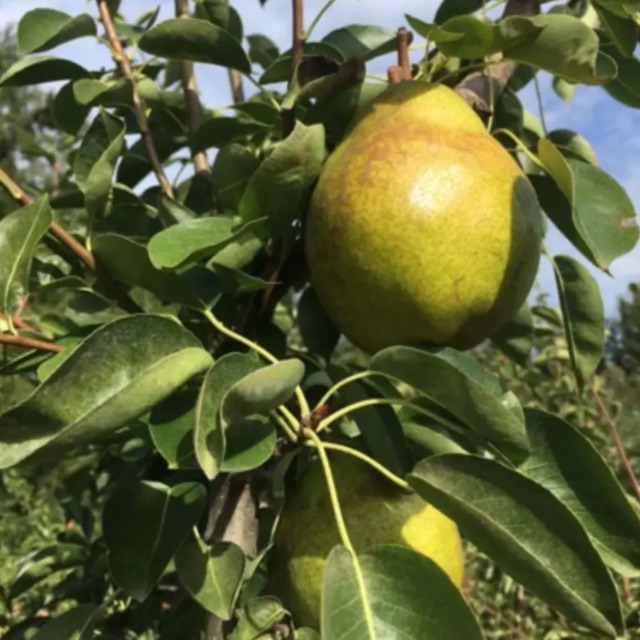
pixel 375 512
pixel 422 228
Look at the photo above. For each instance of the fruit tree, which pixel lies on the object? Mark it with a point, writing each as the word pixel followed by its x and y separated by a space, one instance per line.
pixel 244 343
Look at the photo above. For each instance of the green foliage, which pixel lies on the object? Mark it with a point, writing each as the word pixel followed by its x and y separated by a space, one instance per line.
pixel 167 373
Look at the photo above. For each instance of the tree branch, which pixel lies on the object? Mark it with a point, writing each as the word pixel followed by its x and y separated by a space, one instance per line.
pixel 192 100
pixel 232 517
pixel 237 90
pixel 106 283
pixel 297 49
pixel 30 343
pixel 615 434
pixel 123 63
pixel 21 196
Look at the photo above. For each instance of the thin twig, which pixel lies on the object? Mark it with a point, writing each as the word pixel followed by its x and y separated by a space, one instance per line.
pixel 103 280
pixel 191 98
pixel 298 34
pixel 237 90
pixel 123 63
pixel 21 196
pixel 30 343
pixel 297 50
pixel 615 434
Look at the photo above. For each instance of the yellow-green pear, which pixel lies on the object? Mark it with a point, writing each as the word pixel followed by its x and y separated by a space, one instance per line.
pixel 375 512
pixel 422 228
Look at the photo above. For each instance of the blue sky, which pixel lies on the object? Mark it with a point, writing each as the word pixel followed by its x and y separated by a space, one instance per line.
pixel 612 129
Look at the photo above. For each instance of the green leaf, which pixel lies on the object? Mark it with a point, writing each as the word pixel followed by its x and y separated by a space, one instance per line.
pixel 232 169
pixel 595 214
pixel 566 47
pixel 515 339
pixel 43 29
pixel 223 130
pixel 258 617
pixel 362 41
pixel 318 332
pixel 250 443
pixel 118 373
pixel 211 574
pixel 564 89
pixel 209 435
pixel 623 32
pixel 195 40
pixel 335 112
pixel 626 87
pixel 171 428
pixel 451 8
pixel 262 391
pixel 457 383
pixel 391 593
pixel 566 463
pixel 74 624
pixel 583 313
pixel 20 233
pixel 280 69
pixel 221 13
pixel 140 549
pixel 67 113
pixel 107 93
pixel 128 262
pixel 262 50
pixel 44 563
pixel 96 158
pixel 39 69
pixel 237 282
pixel 572 145
pixel 280 187
pixel 315 78
pixel 558 43
pixel 194 239
pixel 527 531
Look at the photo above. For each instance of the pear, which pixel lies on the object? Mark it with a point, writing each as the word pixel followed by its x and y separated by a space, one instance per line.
pixel 375 512
pixel 422 228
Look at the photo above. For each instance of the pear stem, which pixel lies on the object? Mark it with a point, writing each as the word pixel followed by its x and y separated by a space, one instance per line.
pixel 333 446
pixel 403 53
pixel 401 71
pixel 340 522
pixel 331 486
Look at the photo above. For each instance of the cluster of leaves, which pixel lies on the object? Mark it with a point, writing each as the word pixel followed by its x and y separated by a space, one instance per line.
pixel 158 372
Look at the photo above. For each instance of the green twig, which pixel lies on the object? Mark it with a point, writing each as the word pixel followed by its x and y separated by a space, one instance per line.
pixel 522 146
pixel 333 446
pixel 343 383
pixel 536 84
pixel 314 22
pixel 340 522
pixel 284 425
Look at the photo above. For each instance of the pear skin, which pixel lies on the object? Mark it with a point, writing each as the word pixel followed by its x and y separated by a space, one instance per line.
pixel 422 228
pixel 375 512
